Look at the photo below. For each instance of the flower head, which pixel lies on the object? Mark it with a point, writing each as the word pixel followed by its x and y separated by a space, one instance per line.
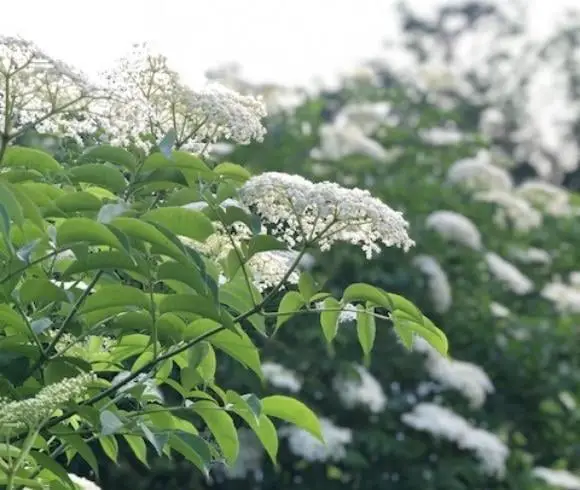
pixel 365 391
pixel 455 227
pixel 508 274
pixel 438 284
pixel 281 377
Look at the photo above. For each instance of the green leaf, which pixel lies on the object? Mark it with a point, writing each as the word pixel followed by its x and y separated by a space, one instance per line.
pixel 236 295
pixel 102 261
pixel 110 447
pixel 307 286
pixel 221 426
pixel 29 207
pixel 292 301
pixel 366 328
pixel 329 319
pixel 236 345
pixel 427 330
pixel 77 230
pixel 49 464
pixel 293 411
pixel 137 445
pixel 198 305
pixel 99 174
pixel 365 292
pixel 82 448
pixel 193 448
pixel 75 202
pixel 110 423
pixel 179 159
pixel 115 295
pixel 110 154
pixel 157 440
pixel 11 204
pixel 41 290
pixel 403 304
pixel 232 171
pixel 18 156
pixel 264 243
pixel 185 273
pixel 140 230
pixel 182 221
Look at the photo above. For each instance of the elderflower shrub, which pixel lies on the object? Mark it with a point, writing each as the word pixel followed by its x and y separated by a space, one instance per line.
pixel 512 366
pixel 133 276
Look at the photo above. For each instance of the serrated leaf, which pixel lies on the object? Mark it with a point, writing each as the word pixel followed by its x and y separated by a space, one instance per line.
pixel 293 411
pixel 221 426
pixel 292 301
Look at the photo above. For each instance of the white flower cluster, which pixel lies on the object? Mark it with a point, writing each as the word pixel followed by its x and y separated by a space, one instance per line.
pixel 455 227
pixel 304 212
pixel 558 478
pixel 547 197
pixel 369 116
pixel 442 422
pixel 365 391
pixel 531 255
pixel 442 136
pixel 83 483
pixel 31 411
pixel 305 445
pixel 564 297
pixel 438 283
pixel 513 209
pixel 41 92
pixel 281 377
pixel 340 140
pixel 508 274
pixel 479 174
pixel 250 457
pixel 468 379
pixel 498 310
pixel 150 98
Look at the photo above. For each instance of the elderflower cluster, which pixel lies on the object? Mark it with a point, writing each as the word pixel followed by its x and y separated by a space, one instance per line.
pixel 513 209
pixel 443 423
pixel 369 117
pixel 468 379
pixel 558 478
pixel 281 377
pixel 531 255
pixel 150 98
pixel 477 173
pixel 455 227
pixel 364 390
pixel 32 411
pixel 302 212
pixel 43 93
pixel 305 445
pixel 438 283
pixel 564 297
pixel 508 274
pixel 547 197
pixel 343 139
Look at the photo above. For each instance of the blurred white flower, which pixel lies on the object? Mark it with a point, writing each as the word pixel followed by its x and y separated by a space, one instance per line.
pixel 281 377
pixel 455 227
pixel 369 117
pixel 499 311
pixel 83 483
pixel 513 209
pixel 363 389
pixel 531 255
pixel 564 297
pixel 442 422
pixel 324 213
pixel 508 274
pixel 547 197
pixel 442 136
pixel 558 478
pixel 468 379
pixel 305 445
pixel 477 173
pixel 438 283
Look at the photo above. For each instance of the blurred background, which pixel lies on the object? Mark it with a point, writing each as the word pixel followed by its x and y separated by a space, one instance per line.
pixel 465 115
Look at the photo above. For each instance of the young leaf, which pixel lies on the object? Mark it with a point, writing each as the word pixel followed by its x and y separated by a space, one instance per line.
pixel 293 411
pixel 221 426
pixel 329 319
pixel 292 301
pixel 365 328
pixel 232 171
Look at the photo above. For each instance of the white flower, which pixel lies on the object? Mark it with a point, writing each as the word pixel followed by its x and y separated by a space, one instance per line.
pixel 558 478
pixel 367 116
pixel 498 310
pixel 492 122
pixel 455 227
pixel 269 268
pixel 281 377
pixel 477 173
pixel 83 483
pixel 438 284
pixel 442 136
pixel 468 379
pixel 531 255
pixel 365 390
pixel 338 141
pixel 303 212
pixel 547 197
pixel 508 274
pixel 442 422
pixel 517 210
pixel 250 457
pixel 566 298
pixel 305 445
